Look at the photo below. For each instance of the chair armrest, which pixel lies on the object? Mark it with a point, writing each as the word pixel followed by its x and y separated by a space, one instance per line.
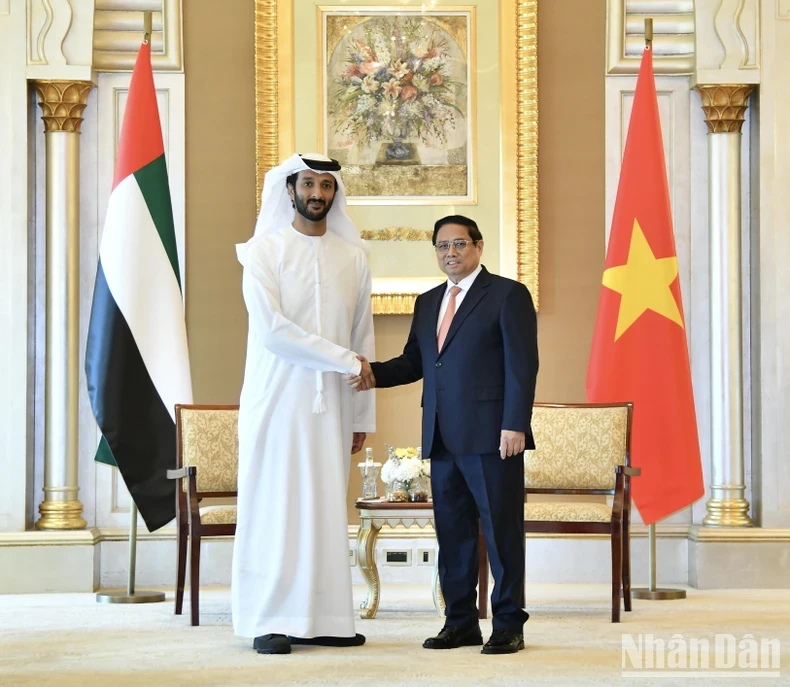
pixel 626 470
pixel 188 471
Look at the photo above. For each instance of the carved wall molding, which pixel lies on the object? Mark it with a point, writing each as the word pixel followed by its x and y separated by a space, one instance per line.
pixel 118 31
pixel 727 41
pixel 527 238
pixel 737 24
pixel 267 135
pixel 397 234
pixel 48 24
pixel 673 35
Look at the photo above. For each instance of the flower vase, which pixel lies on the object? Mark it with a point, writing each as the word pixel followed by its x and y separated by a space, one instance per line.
pixel 397 491
pixel 418 490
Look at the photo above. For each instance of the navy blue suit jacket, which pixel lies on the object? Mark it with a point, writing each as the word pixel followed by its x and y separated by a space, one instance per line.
pixel 483 380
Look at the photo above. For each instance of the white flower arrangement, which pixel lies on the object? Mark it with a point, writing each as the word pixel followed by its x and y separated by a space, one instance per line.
pixel 404 465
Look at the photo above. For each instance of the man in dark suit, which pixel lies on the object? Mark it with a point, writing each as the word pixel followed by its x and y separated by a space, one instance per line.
pixel 473 342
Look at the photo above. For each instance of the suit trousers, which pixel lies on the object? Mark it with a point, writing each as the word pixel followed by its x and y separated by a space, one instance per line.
pixel 486 488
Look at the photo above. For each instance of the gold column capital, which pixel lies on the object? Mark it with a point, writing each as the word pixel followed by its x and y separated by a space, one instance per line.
pixel 724 106
pixel 62 103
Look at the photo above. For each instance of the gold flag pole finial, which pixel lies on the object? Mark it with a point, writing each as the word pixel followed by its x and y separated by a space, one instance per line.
pixel 147 23
pixel 648 32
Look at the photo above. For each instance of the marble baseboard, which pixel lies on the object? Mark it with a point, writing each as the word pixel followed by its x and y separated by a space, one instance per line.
pixel 744 558
pixel 40 562
pixel 44 562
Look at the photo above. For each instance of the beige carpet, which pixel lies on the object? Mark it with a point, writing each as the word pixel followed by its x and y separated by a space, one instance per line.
pixel 69 639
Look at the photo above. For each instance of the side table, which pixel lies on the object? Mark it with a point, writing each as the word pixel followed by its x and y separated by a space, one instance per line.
pixel 373 516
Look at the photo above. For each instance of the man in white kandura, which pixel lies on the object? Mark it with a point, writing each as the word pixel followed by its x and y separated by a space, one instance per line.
pixel 307 287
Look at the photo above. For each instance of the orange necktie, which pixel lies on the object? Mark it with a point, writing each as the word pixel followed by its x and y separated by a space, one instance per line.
pixel 448 316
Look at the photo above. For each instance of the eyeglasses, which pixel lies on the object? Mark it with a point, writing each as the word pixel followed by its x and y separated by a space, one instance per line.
pixel 459 245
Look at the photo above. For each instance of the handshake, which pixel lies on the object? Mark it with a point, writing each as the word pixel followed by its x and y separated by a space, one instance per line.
pixel 365 380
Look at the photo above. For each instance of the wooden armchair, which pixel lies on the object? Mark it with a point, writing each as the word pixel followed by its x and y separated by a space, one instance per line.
pixel 584 449
pixel 207 454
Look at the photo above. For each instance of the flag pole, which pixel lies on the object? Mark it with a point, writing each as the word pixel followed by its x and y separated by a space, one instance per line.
pixel 652 592
pixel 648 32
pixel 131 596
pixel 147 24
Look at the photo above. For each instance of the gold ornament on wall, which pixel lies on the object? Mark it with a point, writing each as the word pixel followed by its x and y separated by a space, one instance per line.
pixel 397 234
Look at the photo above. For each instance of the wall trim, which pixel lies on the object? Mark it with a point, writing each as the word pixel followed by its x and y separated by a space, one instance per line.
pixel 695 533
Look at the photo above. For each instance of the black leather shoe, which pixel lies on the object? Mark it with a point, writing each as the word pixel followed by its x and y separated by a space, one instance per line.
pixel 504 642
pixel 356 640
pixel 272 644
pixel 453 637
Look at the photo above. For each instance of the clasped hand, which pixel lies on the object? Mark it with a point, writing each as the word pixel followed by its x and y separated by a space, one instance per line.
pixel 365 380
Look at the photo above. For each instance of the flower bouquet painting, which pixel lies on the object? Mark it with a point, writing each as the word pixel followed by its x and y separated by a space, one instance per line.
pixel 397 96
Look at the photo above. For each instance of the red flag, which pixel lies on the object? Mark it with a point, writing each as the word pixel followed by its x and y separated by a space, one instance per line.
pixel 639 351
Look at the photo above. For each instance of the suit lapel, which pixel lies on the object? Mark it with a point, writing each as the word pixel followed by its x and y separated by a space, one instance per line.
pixel 476 293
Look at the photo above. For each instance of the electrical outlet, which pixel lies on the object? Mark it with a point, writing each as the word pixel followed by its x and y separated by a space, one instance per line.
pixel 352 557
pixel 426 556
pixel 397 556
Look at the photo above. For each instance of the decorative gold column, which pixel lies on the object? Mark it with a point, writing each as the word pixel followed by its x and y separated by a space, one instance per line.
pixel 724 107
pixel 62 104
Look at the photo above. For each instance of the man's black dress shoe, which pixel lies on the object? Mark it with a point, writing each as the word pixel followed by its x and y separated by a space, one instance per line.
pixel 356 640
pixel 453 637
pixel 504 642
pixel 272 644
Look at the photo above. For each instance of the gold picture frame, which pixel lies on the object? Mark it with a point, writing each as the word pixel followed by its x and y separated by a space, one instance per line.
pixel 518 136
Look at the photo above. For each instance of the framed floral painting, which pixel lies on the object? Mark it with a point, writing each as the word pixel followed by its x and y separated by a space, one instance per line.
pixel 429 106
pixel 398 99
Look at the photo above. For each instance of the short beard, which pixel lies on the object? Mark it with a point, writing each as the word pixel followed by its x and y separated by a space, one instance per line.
pixel 303 209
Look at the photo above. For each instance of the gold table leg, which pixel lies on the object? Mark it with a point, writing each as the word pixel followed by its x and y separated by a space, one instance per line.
pixel 366 550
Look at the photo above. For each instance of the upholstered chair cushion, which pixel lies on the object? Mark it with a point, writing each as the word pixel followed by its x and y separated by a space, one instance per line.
pixel 210 442
pixel 576 448
pixel 556 511
pixel 218 515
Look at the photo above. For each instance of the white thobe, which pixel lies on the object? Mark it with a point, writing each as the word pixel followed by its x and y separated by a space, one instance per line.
pixel 308 300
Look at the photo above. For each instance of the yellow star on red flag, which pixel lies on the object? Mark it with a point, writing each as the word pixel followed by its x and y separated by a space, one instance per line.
pixel 643 282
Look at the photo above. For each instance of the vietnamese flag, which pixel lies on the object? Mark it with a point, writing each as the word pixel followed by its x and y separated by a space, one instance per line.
pixel 639 351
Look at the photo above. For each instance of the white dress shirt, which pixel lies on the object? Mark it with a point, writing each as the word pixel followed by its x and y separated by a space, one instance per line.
pixel 465 284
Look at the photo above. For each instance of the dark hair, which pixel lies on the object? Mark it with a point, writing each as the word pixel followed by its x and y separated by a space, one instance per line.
pixel 470 224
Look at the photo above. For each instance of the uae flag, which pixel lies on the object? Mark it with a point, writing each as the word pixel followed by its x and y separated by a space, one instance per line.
pixel 137 362
pixel 639 350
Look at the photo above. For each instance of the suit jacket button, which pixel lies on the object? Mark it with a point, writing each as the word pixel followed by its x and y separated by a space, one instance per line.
pixel 438 364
